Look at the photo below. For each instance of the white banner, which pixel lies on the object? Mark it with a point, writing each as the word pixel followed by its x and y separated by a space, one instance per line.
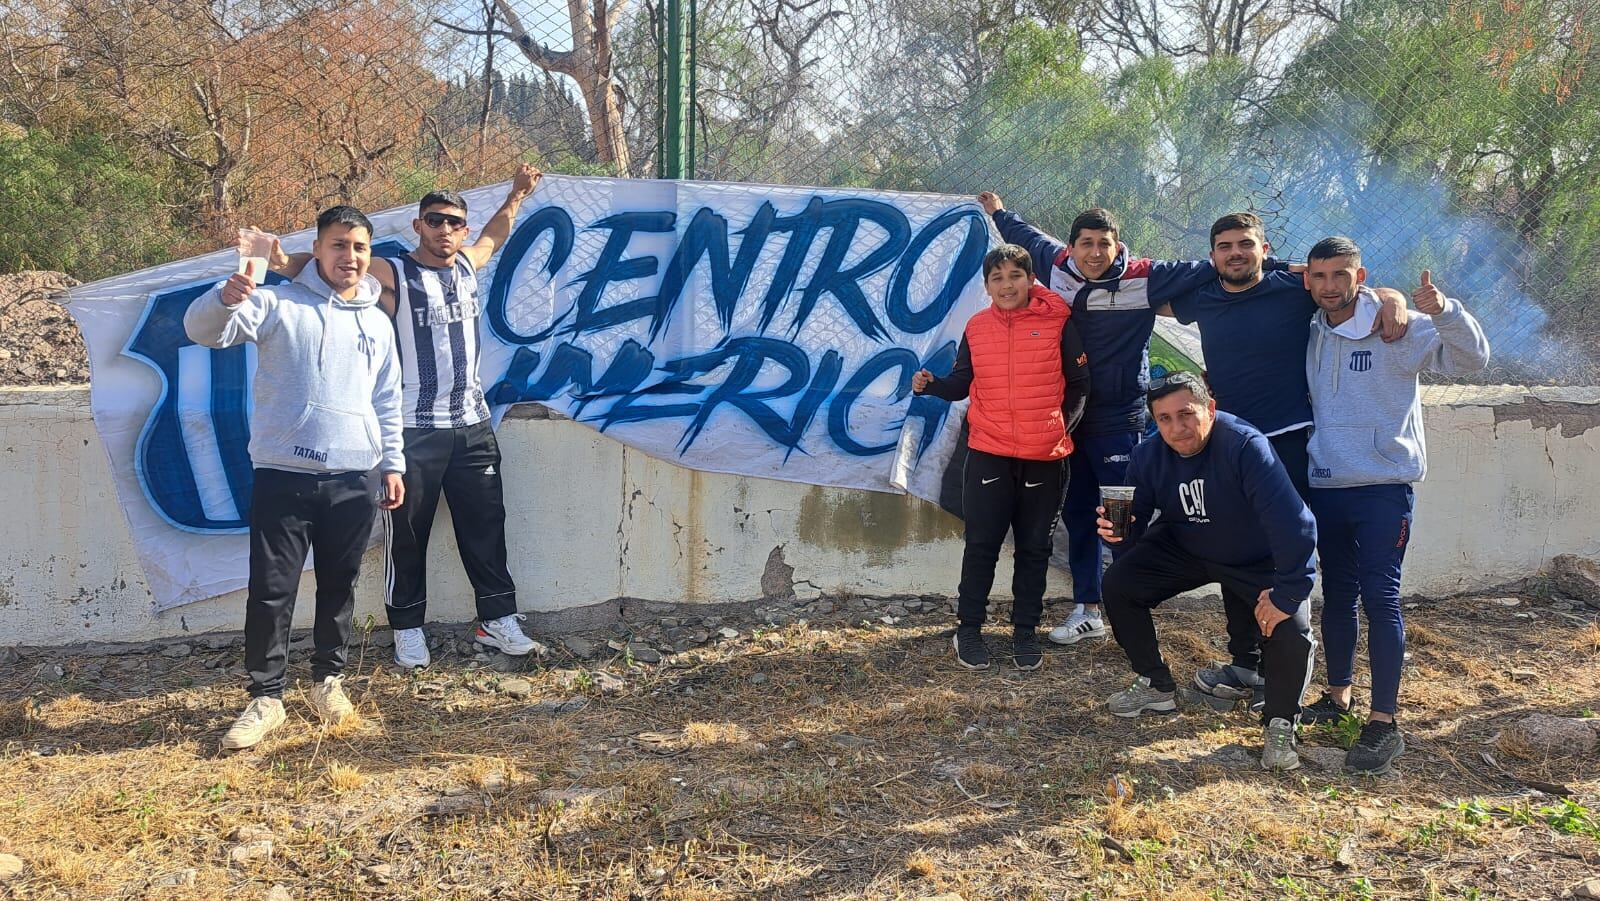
pixel 748 329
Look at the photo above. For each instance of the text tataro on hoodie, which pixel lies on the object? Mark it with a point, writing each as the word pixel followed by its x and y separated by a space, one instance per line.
pixel 327 390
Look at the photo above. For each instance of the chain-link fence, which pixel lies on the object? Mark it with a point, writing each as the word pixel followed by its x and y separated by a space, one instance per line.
pixel 1452 136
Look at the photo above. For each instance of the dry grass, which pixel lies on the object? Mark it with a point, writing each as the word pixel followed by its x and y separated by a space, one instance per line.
pixel 865 765
pixel 1587 639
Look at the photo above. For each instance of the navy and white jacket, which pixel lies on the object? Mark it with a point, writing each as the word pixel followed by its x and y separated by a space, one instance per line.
pixel 1114 315
pixel 1232 503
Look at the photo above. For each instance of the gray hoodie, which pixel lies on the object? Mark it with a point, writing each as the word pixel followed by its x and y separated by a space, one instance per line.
pixel 1364 395
pixel 327 389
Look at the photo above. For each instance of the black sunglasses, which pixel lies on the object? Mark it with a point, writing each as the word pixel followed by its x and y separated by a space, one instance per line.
pixel 434 220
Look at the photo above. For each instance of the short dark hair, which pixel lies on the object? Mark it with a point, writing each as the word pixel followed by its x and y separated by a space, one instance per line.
pixel 1007 253
pixel 1173 382
pixel 343 215
pixel 1334 247
pixel 1097 219
pixel 441 198
pixel 1238 221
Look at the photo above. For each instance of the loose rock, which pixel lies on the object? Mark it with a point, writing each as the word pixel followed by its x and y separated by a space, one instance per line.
pixel 1589 888
pixel 176 880
pixel 1328 760
pixel 1567 735
pixel 10 867
pixel 253 832
pixel 251 852
pixel 516 688
pixel 1577 577
pixel 579 647
pixel 644 653
pixel 455 806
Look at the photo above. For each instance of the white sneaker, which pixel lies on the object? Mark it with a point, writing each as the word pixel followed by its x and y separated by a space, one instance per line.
pixel 262 716
pixel 411 649
pixel 1079 625
pixel 504 633
pixel 328 701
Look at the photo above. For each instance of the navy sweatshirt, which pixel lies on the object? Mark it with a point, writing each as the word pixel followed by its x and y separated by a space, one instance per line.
pixel 1232 504
pixel 1254 343
pixel 1115 314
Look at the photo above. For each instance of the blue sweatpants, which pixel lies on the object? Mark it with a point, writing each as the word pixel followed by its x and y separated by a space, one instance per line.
pixel 1362 535
pixel 1096 460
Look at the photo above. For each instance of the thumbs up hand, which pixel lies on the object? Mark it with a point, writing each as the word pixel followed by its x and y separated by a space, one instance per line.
pixel 1428 298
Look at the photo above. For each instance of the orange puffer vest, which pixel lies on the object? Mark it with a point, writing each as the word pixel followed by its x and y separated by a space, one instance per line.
pixel 1017 384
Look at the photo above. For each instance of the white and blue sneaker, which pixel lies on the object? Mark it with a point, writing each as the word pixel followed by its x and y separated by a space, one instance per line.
pixel 411 649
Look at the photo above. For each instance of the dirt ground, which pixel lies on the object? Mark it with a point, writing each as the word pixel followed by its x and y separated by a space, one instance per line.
pixel 842 756
pixel 39 341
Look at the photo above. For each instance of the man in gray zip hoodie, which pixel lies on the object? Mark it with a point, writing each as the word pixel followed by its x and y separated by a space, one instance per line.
pixel 1365 451
pixel 325 424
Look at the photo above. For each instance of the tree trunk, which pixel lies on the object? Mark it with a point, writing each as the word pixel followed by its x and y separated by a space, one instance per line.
pixel 589 64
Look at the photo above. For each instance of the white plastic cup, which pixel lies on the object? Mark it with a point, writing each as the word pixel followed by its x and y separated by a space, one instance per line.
pixel 255 248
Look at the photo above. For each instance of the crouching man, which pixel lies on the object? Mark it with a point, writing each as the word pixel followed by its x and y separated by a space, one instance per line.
pixel 1228 513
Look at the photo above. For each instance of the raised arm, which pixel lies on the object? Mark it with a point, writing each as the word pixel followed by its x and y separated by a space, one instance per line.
pixel 1045 250
pixel 498 229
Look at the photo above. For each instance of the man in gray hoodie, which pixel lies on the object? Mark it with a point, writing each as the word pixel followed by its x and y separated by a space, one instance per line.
pixel 325 440
pixel 1365 451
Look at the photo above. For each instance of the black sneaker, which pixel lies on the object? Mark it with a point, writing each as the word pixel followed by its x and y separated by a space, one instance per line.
pixel 971 652
pixel 1374 752
pixel 1324 710
pixel 1025 652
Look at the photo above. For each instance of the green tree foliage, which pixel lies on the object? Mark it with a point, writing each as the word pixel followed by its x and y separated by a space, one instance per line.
pixel 80 205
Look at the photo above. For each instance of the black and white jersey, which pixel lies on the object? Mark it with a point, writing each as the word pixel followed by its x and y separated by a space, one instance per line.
pixel 436 319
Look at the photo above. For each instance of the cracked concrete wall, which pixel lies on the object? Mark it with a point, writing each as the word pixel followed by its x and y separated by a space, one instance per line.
pixel 1514 479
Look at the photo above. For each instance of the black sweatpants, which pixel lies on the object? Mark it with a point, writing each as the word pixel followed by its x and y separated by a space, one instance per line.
pixel 1000 495
pixel 1156 568
pixel 1292 451
pixel 464 465
pixel 330 514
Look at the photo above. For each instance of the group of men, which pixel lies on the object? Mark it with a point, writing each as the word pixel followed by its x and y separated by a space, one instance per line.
pixel 366 398
pixel 1300 443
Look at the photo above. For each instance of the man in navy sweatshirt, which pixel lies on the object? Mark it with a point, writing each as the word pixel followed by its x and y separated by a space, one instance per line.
pixel 1228 514
pixel 1255 323
pixel 1114 300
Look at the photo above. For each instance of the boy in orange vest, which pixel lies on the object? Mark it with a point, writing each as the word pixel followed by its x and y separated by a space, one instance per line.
pixel 1023 365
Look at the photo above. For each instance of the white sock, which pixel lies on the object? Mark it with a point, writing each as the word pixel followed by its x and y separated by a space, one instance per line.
pixel 1077 610
pixel 1093 612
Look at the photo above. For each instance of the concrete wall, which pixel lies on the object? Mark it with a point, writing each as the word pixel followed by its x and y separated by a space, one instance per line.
pixel 1514 480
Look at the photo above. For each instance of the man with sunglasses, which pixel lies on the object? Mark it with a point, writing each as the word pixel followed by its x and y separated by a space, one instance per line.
pixel 450 447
